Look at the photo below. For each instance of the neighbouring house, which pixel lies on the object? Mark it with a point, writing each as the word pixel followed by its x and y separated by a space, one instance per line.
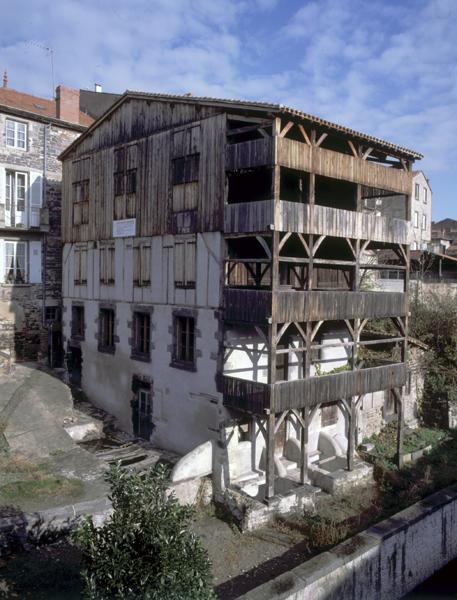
pixel 34 131
pixel 215 294
pixel 421 216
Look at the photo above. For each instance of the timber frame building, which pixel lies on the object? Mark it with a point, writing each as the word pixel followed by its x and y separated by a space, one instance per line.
pixel 217 261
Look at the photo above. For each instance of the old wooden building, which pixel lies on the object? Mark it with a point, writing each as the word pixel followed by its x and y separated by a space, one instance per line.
pixel 217 259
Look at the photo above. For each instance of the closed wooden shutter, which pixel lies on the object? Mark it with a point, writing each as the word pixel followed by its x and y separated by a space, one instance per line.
pixel 35 262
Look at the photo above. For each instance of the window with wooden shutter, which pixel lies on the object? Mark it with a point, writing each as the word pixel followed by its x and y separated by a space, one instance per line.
pixel 142 264
pixel 81 191
pixel 80 266
pixel 107 264
pixel 125 182
pixel 184 263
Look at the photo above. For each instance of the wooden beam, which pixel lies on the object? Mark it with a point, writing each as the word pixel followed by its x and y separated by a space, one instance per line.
pixel 304 442
pixel 264 245
pixel 270 458
pixel 286 129
pixel 353 148
pixel 284 240
pixel 351 434
pixel 321 139
pixel 367 153
pixel 400 430
pixel 305 135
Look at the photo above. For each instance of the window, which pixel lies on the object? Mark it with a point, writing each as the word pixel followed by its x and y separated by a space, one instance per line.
pixel 425 195
pixel 413 245
pixel 81 191
pixel 81 202
pixel 80 266
pixel 15 199
pixel 329 415
pixel 107 265
pixel 52 314
pixel 185 262
pixel 16 134
pixel 185 169
pixel 106 330
pixel 15 262
pixel 416 219
pixel 424 222
pixel 416 191
pixel 125 182
pixel 142 264
pixel 141 335
pixel 77 322
pixel 184 341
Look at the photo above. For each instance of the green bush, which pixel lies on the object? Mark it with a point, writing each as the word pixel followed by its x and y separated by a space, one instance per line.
pixel 146 549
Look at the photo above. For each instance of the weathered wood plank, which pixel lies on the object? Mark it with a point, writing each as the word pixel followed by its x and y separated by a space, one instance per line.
pixel 255 306
pixel 257 397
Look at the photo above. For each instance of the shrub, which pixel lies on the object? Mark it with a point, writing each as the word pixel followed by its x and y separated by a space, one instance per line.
pixel 146 549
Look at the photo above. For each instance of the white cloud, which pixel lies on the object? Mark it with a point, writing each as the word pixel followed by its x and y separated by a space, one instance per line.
pixel 380 66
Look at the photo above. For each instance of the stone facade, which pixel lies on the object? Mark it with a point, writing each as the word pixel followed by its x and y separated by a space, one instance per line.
pixel 36 234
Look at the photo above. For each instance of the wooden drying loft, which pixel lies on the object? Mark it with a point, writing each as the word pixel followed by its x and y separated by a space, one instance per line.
pixel 270 143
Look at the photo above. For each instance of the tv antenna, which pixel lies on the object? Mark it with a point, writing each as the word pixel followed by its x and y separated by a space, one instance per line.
pixel 50 52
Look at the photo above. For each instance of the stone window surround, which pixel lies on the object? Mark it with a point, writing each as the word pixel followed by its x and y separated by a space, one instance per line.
pixel 97 335
pixel 134 355
pixel 177 364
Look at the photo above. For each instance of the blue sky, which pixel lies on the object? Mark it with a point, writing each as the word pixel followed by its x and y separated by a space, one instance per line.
pixel 385 67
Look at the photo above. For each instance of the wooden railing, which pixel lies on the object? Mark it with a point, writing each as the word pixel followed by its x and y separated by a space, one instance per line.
pixel 255 306
pixel 300 156
pixel 326 220
pixel 260 216
pixel 297 155
pixel 257 397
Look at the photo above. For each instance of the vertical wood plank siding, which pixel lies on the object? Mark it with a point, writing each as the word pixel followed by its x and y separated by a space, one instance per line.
pixel 255 305
pixel 257 397
pixel 154 198
pixel 249 217
pixel 321 220
pixel 297 155
pixel 256 153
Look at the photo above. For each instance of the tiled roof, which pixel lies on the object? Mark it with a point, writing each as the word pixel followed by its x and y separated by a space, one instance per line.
pixel 281 108
pixel 36 105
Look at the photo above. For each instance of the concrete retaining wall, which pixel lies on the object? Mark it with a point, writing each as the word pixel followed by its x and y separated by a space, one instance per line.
pixel 382 563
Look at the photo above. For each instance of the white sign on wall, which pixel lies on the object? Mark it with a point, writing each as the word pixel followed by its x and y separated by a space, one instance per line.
pixel 124 228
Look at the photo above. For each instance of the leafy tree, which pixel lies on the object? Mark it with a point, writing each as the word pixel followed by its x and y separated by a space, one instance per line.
pixel 146 550
pixel 434 321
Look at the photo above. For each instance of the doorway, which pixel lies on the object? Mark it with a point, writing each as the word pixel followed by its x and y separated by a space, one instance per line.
pixel 142 411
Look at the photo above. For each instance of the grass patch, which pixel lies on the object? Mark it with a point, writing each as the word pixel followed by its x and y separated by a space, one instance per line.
pixel 385 443
pixel 44 485
pixel 24 479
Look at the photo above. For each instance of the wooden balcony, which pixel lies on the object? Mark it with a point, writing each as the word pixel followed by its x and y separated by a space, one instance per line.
pixel 300 156
pixel 257 217
pixel 257 397
pixel 255 306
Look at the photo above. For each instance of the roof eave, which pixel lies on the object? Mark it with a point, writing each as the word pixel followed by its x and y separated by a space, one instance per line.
pixel 27 114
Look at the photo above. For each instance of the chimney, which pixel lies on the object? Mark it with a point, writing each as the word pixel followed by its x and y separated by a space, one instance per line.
pixel 67 104
pixel 5 79
pixel 98 88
